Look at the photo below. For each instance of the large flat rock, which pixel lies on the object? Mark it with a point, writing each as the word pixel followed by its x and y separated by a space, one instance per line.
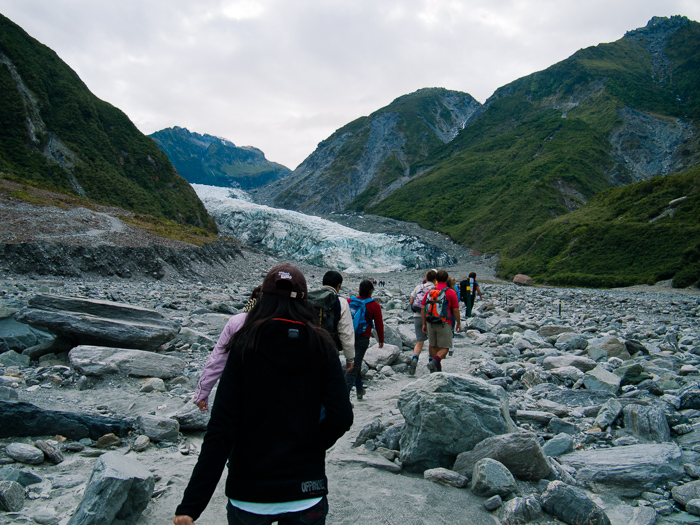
pixel 101 360
pixel 18 419
pixel 636 465
pixel 101 323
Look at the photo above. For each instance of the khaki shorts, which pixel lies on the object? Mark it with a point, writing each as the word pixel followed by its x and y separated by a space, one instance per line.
pixel 418 328
pixel 440 335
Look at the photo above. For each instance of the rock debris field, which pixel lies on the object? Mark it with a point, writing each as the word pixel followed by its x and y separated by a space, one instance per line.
pixel 557 405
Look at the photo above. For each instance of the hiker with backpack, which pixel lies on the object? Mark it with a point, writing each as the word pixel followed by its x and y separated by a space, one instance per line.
pixel 217 359
pixel 416 303
pixel 282 403
pixel 468 290
pixel 365 312
pixel 333 315
pixel 438 303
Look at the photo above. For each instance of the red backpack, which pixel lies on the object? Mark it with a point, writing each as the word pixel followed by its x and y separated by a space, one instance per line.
pixel 436 306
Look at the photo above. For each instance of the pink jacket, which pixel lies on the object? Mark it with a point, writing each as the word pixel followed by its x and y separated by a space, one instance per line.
pixel 217 360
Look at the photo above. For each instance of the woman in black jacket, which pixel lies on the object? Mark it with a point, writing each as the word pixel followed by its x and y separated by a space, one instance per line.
pixel 281 403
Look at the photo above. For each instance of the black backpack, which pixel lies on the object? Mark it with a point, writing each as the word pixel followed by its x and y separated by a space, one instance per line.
pixel 464 290
pixel 326 306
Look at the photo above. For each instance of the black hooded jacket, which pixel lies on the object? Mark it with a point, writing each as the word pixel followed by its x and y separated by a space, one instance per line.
pixel 267 421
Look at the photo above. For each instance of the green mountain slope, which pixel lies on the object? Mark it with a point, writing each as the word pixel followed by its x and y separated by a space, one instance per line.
pixel 58 134
pixel 372 156
pixel 545 144
pixel 204 159
pixel 641 233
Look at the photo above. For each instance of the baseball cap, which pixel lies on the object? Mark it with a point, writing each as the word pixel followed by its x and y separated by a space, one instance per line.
pixel 285 273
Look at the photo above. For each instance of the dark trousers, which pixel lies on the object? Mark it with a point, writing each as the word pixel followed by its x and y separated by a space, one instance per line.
pixel 469 303
pixel 353 375
pixel 315 515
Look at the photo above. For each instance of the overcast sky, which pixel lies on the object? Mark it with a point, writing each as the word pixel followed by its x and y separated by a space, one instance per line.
pixel 282 75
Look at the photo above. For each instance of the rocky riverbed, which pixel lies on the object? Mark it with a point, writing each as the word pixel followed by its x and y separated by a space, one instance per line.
pixel 576 405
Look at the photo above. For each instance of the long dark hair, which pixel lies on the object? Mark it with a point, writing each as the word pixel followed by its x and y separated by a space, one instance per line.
pixel 271 306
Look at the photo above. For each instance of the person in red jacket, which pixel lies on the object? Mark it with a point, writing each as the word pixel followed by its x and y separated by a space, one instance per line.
pixel 440 330
pixel 373 315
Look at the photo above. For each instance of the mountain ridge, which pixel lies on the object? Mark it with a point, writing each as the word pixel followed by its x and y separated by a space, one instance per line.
pixel 216 161
pixel 541 145
pixel 57 133
pixel 371 156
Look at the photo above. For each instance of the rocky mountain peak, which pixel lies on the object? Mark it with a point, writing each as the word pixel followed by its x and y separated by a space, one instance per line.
pixel 370 158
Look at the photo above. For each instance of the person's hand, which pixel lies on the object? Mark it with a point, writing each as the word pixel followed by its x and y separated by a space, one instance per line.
pixel 459 327
pixel 203 405
pixel 349 366
pixel 425 329
pixel 183 520
pixel 381 345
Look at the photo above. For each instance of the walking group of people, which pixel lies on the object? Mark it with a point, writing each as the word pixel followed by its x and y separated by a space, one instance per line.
pixel 283 398
pixel 435 305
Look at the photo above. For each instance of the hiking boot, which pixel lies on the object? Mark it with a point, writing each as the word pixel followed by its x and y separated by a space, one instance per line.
pixel 412 367
pixel 432 367
pixel 360 392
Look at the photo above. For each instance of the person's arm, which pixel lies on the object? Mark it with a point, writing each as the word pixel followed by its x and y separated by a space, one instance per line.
pixel 334 398
pixel 454 304
pixel 346 333
pixel 478 289
pixel 216 446
pixel 455 313
pixel 216 363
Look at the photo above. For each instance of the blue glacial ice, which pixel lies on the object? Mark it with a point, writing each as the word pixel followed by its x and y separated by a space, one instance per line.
pixel 314 240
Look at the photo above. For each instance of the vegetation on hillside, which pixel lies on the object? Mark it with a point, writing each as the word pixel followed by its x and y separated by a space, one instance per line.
pixel 641 233
pixel 106 155
pixel 541 149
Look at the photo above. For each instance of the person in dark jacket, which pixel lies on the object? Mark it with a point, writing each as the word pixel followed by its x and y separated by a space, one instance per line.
pixel 281 403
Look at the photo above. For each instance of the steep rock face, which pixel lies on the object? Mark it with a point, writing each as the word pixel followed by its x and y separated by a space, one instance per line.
pixel 647 145
pixel 363 162
pixel 150 262
pixel 55 132
pixel 215 161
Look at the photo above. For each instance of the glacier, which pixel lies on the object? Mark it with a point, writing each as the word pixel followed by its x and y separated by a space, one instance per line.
pixel 314 240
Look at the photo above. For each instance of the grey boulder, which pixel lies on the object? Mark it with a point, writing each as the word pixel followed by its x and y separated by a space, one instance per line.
pixel 572 505
pixel 119 488
pixel 643 465
pixel 23 453
pixel 648 423
pixel 101 360
pixel 519 452
pixel 491 478
pixel 159 428
pixel 686 492
pixel 446 477
pixel 518 511
pixel 447 414
pixel 19 419
pixel 11 496
pixel 102 323
pixel 376 357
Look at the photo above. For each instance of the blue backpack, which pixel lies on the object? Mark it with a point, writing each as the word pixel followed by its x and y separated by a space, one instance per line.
pixel 358 310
